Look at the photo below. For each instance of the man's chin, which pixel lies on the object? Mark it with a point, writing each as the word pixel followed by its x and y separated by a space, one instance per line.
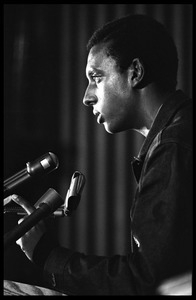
pixel 107 128
pixel 111 129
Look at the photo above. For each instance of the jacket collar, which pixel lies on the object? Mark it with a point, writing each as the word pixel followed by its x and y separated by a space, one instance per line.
pixel 165 114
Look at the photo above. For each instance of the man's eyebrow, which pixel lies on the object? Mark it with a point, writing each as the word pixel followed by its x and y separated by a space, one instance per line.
pixel 90 72
pixel 93 70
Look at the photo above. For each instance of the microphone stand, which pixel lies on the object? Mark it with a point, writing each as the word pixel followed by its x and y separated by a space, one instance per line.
pixel 49 202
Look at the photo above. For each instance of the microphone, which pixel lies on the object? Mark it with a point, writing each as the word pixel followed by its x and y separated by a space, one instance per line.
pixel 74 193
pixel 47 205
pixel 43 165
pixel 49 202
pixel 71 201
pixel 72 198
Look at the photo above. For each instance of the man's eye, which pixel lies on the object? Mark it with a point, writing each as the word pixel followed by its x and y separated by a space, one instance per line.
pixel 96 78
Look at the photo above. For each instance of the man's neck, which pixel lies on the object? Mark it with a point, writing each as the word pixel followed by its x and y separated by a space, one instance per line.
pixel 152 101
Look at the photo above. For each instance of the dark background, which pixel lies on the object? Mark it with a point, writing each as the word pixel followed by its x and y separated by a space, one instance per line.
pixel 44 82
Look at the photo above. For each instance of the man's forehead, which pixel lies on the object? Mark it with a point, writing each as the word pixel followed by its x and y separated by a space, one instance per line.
pixel 98 58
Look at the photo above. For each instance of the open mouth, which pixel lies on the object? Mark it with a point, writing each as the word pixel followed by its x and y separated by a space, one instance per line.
pixel 99 116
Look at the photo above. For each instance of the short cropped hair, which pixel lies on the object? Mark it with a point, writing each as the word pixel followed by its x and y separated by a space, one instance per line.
pixel 139 36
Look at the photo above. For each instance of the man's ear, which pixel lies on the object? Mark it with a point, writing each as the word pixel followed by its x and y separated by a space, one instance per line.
pixel 137 72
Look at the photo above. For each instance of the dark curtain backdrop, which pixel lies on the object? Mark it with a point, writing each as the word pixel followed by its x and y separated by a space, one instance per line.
pixel 44 83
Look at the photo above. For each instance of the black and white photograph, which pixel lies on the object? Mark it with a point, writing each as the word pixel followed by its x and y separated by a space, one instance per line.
pixel 98 149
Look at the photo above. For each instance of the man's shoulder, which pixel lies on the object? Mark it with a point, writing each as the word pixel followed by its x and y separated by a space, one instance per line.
pixel 180 128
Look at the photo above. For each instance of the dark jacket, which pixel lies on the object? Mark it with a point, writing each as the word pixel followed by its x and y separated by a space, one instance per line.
pixel 161 218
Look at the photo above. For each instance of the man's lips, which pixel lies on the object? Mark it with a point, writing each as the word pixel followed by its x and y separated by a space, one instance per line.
pixel 99 119
pixel 99 116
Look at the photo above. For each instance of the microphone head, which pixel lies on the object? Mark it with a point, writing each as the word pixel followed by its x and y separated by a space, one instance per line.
pixel 52 199
pixel 45 164
pixel 74 193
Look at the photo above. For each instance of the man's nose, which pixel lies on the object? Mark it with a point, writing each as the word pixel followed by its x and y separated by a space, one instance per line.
pixel 89 99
